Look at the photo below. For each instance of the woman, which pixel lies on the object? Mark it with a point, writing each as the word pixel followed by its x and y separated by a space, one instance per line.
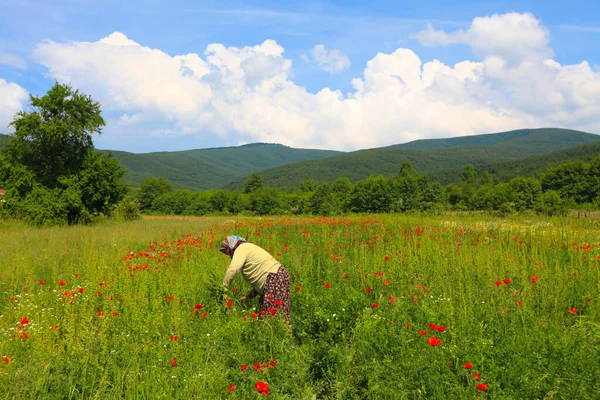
pixel 266 275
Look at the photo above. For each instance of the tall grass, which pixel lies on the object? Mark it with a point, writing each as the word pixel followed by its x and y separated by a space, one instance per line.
pixel 133 310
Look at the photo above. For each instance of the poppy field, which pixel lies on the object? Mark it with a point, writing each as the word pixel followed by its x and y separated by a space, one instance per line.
pixel 383 307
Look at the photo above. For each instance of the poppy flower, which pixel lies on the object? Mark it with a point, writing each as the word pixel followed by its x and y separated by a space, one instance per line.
pixel 114 313
pixel 482 387
pixel 415 299
pixel 174 337
pixel 203 315
pixel 518 303
pixel 24 335
pixel 198 306
pixel 573 311
pixel 391 299
pixel 80 290
pixel 173 362
pixel 433 327
pixel 407 325
pixel 24 321
pixel 298 288
pixel 278 303
pixel 99 293
pixel 369 290
pixel 272 311
pixel 533 279
pixel 387 258
pixel 5 360
pixel 53 328
pixel 243 367
pixel 263 388
pixel 375 305
pixel 231 388
pixel 100 313
pixel 256 366
pixel 273 363
pixel 468 365
pixel 433 341
pixel 385 283
pixel 42 281
pixel 441 329
pixel 346 276
pixel 422 332
pixel 497 283
pixel 327 285
pixel 229 304
pixel 13 299
pixel 506 281
pixel 477 377
pixel 61 283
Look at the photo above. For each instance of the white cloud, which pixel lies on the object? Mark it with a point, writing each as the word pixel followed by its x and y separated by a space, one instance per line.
pixel 248 94
pixel 12 97
pixel 514 37
pixel 332 61
pixel 13 60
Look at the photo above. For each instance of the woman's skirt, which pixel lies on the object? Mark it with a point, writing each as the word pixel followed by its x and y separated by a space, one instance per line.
pixel 275 299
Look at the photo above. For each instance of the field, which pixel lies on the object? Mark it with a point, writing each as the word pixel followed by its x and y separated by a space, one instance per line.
pixel 383 307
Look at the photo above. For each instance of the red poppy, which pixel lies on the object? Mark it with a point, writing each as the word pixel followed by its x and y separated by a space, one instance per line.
pixel 243 367
pixel 278 303
pixel 254 316
pixel 375 305
pixel 61 283
pixel 5 360
pixel 441 329
pixel 198 306
pixel 42 281
pixel 229 303
pixel 100 313
pixel 327 285
pixel 385 283
pixel 231 388
pixel 482 387
pixel 99 293
pixel 468 365
pixel 263 388
pixel 53 328
pixel 256 366
pixel 407 325
pixel 433 341
pixel 422 332
pixel 173 362
pixel 13 299
pixel 272 311
pixel 573 311
pixel 174 337
pixel 273 363
pixel 261 312
pixel 80 290
pixel 497 283
pixel 24 335
pixel 24 321
pixel 114 313
pixel 169 298
pixel 518 303
pixel 533 279
pixel 346 276
pixel 415 299
pixel 477 377
pixel 298 288
pixel 369 290
pixel 506 281
pixel 433 327
pixel 203 315
pixel 391 299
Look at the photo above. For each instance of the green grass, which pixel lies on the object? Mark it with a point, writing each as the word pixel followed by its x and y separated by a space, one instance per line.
pixel 421 270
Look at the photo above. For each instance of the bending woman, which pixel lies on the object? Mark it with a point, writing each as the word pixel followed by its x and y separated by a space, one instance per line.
pixel 268 277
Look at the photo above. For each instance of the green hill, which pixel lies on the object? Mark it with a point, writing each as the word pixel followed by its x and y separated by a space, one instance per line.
pixel 427 156
pixel 211 168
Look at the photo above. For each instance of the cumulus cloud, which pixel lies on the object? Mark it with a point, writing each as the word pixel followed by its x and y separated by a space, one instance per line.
pixel 12 97
pixel 13 60
pixel 514 37
pixel 248 94
pixel 332 61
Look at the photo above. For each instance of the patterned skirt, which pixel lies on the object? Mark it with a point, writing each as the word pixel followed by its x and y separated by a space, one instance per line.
pixel 275 299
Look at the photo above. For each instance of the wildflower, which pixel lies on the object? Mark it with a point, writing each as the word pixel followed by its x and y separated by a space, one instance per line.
pixel 497 283
pixel 482 387
pixel 415 299
pixel 80 290
pixel 24 335
pixel 589 299
pixel 99 293
pixel 24 321
pixel 387 258
pixel 12 298
pixel 468 365
pixel 346 276
pixel 273 363
pixel 433 341
pixel 298 288
pixel 42 281
pixel 385 283
pixel 433 327
pixel 243 367
pixel 169 298
pixel 327 285
pixel 441 329
pixel 5 360
pixel 263 388
pixel 203 315
pixel 278 303
pixel 533 279
pixel 61 282
pixel 256 366
pixel 518 303
pixel 422 332
pixel 573 311
pixel 369 290
pixel 407 325
pixel 254 316
pixel 272 311
pixel 173 362
pixel 53 328
pixel 477 377
pixel 375 305
pixel 114 313
pixel 231 388
pixel 198 306
pixel 100 313
pixel 391 299
pixel 174 337
pixel 229 304
pixel 506 281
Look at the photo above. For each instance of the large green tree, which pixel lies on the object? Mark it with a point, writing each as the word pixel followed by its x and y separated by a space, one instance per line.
pixel 50 168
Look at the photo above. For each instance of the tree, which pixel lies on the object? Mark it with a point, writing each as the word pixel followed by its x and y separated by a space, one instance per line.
pixel 253 183
pixel 150 189
pixel 50 169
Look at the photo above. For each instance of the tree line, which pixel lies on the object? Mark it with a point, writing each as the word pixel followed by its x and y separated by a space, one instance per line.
pixel 573 184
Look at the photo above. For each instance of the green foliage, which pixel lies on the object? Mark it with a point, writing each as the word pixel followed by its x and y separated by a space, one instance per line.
pixel 128 209
pixel 551 204
pixel 150 189
pixel 253 183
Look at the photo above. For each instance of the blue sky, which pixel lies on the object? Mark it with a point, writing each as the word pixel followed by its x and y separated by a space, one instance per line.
pixel 352 34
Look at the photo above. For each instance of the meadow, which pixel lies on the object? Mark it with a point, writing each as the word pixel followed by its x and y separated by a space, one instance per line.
pixel 458 306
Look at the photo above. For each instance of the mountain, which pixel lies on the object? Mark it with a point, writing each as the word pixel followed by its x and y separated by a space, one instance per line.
pixel 427 156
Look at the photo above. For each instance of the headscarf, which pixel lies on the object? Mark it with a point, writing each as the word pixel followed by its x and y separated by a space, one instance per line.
pixel 231 243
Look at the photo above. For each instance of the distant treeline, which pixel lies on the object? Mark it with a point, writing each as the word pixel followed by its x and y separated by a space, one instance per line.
pixel 574 184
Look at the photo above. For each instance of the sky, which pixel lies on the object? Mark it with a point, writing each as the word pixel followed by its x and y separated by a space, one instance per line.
pixel 338 75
